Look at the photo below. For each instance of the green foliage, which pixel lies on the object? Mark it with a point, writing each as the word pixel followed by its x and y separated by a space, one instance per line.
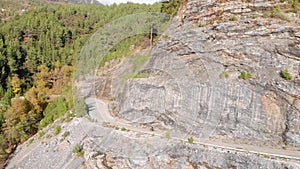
pixel 123 129
pixel 80 107
pixel 201 24
pixel 142 75
pixel 276 12
pixel 286 74
pixel 54 34
pixel 219 21
pixel 57 130
pixel 168 135
pixel 2 91
pixel 224 74
pixel 78 150
pixel 191 140
pixel 5 101
pixel 170 7
pixel 233 18
pixel 41 134
pixel 69 117
pixel 137 61
pixel 30 141
pixel 122 49
pixel 165 36
pixel 66 134
pixel 53 111
pixel 245 75
pixel 37 52
pixel 295 4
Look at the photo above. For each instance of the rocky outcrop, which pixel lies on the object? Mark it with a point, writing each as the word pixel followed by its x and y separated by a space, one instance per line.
pixel 194 86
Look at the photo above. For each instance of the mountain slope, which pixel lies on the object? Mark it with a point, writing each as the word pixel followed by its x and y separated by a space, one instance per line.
pixel 220 90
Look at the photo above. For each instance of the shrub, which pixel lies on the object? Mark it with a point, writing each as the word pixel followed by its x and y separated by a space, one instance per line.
pixel 142 75
pixel 276 12
pixel 165 36
pixel 168 135
pixel 30 141
pixel 123 129
pixel 41 134
pixel 170 7
pixel 53 111
pixel 296 4
pixel 245 75
pixel 80 107
pixel 201 24
pixel 233 18
pixel 57 130
pixel 78 150
pixel 224 74
pixel 69 117
pixel 66 133
pixel 191 140
pixel 286 75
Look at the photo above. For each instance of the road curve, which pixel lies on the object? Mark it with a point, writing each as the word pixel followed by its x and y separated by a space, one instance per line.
pixel 98 110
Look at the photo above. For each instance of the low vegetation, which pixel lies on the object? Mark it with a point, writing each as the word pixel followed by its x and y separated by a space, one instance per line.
pixel 224 74
pixel 78 150
pixel 137 61
pixel 168 135
pixel 41 134
pixel 57 130
pixel 30 141
pixel 53 111
pixel 286 74
pixel 191 140
pixel 80 107
pixel 201 24
pixel 245 75
pixel 171 7
pixel 66 134
pixel 233 18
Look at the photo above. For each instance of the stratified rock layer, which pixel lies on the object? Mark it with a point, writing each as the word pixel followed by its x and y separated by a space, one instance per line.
pixel 191 87
pixel 194 83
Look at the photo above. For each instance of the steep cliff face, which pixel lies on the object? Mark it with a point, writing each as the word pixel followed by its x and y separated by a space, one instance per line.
pixel 212 95
pixel 195 84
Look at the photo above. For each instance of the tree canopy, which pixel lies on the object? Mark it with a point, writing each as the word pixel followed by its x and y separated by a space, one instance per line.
pixel 37 52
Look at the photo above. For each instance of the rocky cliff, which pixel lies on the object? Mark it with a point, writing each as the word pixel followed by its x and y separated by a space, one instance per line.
pixel 215 93
pixel 195 83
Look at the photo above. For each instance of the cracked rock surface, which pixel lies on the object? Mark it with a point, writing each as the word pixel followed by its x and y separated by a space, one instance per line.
pixel 192 88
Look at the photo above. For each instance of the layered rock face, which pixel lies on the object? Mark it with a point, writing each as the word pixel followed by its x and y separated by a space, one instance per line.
pixel 195 84
pixel 192 86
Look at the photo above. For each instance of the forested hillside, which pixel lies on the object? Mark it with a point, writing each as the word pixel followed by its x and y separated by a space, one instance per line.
pixel 14 7
pixel 37 52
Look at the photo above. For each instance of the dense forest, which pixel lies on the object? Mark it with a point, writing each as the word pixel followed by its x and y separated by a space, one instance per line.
pixel 37 52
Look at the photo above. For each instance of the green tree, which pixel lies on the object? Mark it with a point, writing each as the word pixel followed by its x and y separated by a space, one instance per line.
pixel 5 101
pixel 15 84
pixel 13 128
